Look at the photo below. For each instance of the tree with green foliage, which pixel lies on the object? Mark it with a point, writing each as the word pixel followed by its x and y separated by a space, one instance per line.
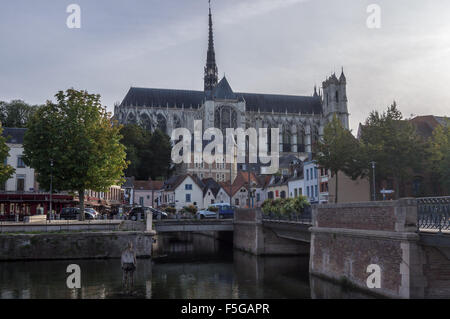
pixel 439 159
pixel 149 154
pixel 134 138
pixel 161 155
pixel 77 134
pixel 16 113
pixel 6 171
pixel 339 150
pixel 393 144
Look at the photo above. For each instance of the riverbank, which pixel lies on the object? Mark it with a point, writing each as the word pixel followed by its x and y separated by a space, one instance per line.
pixel 73 245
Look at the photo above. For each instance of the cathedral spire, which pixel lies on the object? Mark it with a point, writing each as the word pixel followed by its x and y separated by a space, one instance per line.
pixel 211 71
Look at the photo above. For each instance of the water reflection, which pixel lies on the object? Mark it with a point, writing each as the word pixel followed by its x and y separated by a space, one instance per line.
pixel 184 266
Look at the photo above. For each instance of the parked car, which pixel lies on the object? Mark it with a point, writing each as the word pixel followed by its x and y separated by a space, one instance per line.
pixel 202 214
pixel 69 213
pixel 157 213
pixel 225 210
pixel 137 213
pixel 73 213
pixel 93 212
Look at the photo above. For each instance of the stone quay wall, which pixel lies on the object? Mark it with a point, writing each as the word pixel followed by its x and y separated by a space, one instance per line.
pixel 82 245
pixel 347 238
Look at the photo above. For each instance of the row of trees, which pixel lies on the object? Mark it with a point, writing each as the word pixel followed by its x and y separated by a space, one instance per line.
pixel 149 153
pixel 392 143
pixel 16 113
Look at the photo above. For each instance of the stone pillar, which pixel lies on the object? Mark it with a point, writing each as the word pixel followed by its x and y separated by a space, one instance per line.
pixel 248 234
pixel 294 141
pixel 308 148
pixel 281 140
pixel 149 221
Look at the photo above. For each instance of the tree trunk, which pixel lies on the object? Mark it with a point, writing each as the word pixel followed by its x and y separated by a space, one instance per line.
pixel 81 197
pixel 336 188
pixel 397 187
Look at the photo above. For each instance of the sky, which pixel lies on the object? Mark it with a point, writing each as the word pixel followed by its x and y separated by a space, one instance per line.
pixel 263 46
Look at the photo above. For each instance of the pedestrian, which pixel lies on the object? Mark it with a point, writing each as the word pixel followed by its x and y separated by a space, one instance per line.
pixel 128 262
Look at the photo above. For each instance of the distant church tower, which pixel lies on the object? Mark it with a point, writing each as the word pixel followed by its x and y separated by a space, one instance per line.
pixel 335 98
pixel 211 71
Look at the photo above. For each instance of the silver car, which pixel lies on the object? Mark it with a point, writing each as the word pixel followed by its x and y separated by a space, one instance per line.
pixel 202 214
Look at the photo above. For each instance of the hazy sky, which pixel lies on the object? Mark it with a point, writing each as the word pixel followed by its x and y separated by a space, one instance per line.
pixel 267 46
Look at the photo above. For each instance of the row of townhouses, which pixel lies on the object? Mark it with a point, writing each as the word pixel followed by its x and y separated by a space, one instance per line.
pixel 296 178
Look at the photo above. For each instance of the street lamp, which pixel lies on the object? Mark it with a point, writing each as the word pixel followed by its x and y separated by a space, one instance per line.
pixel 373 171
pixel 51 187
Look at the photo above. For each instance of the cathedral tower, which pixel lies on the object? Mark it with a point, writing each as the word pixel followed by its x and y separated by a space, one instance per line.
pixel 211 71
pixel 335 98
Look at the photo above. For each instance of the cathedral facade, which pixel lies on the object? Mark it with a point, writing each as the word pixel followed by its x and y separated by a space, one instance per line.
pixel 300 119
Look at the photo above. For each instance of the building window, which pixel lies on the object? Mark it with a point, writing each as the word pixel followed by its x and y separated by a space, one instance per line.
pixel 295 192
pixel 188 187
pixel 307 174
pixel 20 183
pixel 316 189
pixel 283 194
pixel 307 191
pixel 258 197
pixel 300 191
pixel 315 173
pixel 141 201
pixel 20 163
pixel 188 198
pixel 236 201
pixel 270 195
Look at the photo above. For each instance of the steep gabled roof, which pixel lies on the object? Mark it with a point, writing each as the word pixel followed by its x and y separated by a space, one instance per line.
pixel 172 183
pixel 223 91
pixel 212 185
pixel 148 185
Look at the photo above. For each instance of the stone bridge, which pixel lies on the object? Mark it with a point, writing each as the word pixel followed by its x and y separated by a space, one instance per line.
pixel 191 225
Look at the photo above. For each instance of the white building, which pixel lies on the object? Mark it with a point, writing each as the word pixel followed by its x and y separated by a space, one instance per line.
pixel 181 191
pixel 296 186
pixel 23 179
pixel 311 181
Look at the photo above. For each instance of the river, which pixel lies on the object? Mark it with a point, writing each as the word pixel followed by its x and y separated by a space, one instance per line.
pixel 184 266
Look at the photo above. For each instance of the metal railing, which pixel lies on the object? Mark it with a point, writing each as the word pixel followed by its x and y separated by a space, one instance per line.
pixel 433 213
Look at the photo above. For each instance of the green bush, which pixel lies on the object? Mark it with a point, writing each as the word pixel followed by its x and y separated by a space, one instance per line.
pixel 284 206
pixel 171 210
pixel 190 209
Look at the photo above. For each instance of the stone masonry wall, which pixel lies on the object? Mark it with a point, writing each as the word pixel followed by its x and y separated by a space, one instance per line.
pixel 347 238
pixel 73 245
